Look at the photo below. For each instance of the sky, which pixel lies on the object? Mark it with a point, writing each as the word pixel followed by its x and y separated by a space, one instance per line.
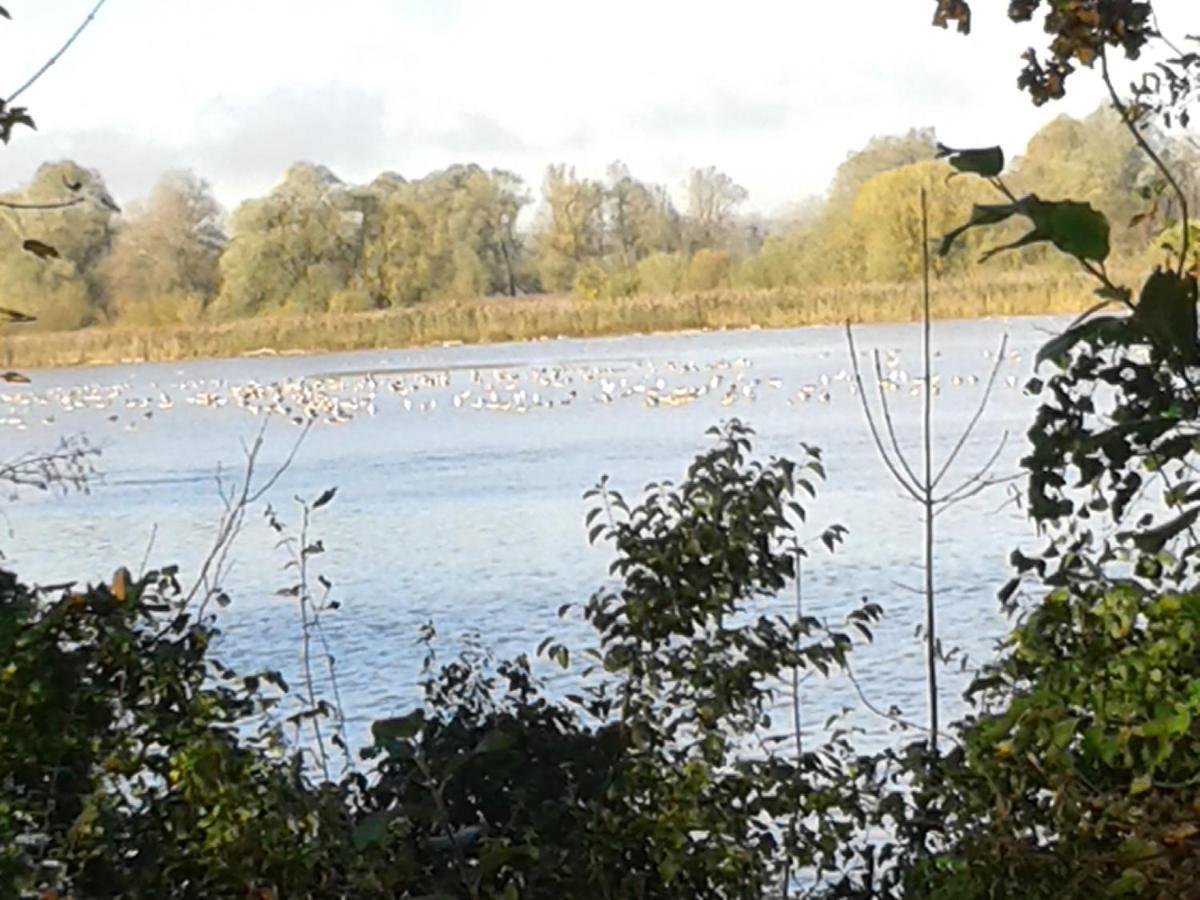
pixel 773 92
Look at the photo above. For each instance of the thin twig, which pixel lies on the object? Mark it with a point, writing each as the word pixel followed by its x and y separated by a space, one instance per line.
pixel 951 495
pixel 149 549
pixel 887 418
pixel 969 430
pixel 236 504
pixel 1133 129
pixel 866 406
pixel 890 716
pixel 306 647
pixel 33 79
pixel 984 485
pixel 65 204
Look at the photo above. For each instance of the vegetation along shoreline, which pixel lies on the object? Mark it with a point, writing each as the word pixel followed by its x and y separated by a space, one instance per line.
pixel 502 320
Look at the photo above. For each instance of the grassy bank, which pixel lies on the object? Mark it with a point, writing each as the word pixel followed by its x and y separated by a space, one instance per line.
pixel 498 319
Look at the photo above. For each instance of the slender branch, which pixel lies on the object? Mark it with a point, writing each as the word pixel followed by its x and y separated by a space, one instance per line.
pixel 1133 129
pixel 910 489
pixel 33 79
pixel 970 429
pixel 796 720
pixel 981 475
pixel 890 716
pixel 149 549
pixel 65 204
pixel 236 503
pixel 998 184
pixel 306 646
pixel 927 485
pixel 984 485
pixel 887 418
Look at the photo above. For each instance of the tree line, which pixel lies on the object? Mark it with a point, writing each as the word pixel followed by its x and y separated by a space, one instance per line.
pixel 317 244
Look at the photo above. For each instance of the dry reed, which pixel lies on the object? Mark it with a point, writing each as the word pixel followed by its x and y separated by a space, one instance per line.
pixel 500 319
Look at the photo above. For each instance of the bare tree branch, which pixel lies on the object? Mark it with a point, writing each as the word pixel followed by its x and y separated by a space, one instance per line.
pixel 1132 128
pixel 969 430
pixel 33 79
pixel 875 435
pixel 887 418
pixel 9 204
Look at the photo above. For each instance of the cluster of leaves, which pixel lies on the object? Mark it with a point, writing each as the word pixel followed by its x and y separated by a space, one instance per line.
pixel 126 764
pixel 1080 31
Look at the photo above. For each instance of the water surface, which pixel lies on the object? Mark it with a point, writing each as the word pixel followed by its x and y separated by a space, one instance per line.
pixel 470 513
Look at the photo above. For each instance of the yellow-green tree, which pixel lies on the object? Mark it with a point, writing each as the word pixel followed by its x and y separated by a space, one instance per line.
pixel 451 234
pixel 883 153
pixel 1095 160
pixel 50 253
pixel 293 249
pixel 713 199
pixel 164 262
pixel 571 231
pixel 887 217
pixel 640 218
pixel 708 269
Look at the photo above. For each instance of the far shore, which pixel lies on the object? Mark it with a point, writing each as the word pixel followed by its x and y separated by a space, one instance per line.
pixel 502 320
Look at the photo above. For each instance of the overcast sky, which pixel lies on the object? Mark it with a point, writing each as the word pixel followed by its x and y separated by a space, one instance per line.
pixel 774 92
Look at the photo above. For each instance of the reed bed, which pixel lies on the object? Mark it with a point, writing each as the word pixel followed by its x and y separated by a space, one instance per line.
pixel 495 320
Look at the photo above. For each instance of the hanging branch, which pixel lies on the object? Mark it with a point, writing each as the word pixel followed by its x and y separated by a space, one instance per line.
pixel 63 204
pixel 923 489
pixel 36 76
pixel 1132 128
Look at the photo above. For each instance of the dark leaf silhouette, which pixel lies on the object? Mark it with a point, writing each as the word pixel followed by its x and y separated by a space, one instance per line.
pixel 40 249
pixel 1075 228
pixel 325 498
pixel 10 119
pixel 13 315
pixel 985 161
pixel 1167 311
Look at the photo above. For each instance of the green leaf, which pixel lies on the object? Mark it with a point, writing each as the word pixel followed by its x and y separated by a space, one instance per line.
pixel 1058 347
pixel 1074 228
pixel 400 728
pixel 1130 884
pixel 981 214
pixel 1062 732
pixel 984 161
pixel 496 741
pixel 1153 540
pixel 371 830
pixel 1166 309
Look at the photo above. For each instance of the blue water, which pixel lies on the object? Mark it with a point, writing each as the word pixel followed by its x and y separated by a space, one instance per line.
pixel 473 518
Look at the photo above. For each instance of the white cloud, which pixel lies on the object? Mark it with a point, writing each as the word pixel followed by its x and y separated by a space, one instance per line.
pixel 775 92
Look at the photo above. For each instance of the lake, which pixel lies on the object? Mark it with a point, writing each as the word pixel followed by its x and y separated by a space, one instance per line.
pixel 460 473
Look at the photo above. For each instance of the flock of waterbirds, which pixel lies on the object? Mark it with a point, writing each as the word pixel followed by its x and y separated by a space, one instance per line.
pixel 339 398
